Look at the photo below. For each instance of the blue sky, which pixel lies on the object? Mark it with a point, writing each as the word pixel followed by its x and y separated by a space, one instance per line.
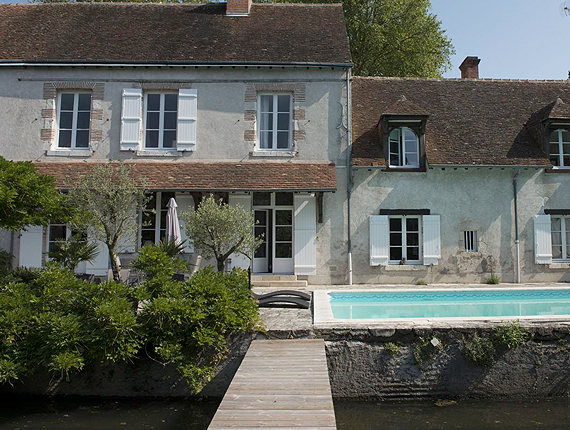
pixel 517 39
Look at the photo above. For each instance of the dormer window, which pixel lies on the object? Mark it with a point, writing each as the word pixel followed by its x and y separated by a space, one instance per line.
pixel 404 148
pixel 559 143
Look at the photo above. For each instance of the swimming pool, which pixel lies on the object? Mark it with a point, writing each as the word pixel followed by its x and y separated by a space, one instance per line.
pixel 442 304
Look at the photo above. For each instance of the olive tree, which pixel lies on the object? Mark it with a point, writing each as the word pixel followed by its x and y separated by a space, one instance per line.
pixel 219 230
pixel 108 201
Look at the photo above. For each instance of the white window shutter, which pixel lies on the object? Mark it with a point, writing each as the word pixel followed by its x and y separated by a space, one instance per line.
pixel 187 113
pixel 432 239
pixel 379 240
pixel 131 114
pixel 31 242
pixel 244 200
pixel 305 227
pixel 185 202
pixel 542 240
pixel 100 265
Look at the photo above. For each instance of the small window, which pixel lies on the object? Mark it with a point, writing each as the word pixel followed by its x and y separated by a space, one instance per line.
pixel 262 199
pixel 56 234
pixel 274 122
pixel 161 115
pixel 74 119
pixel 404 239
pixel 470 241
pixel 560 232
pixel 404 148
pixel 559 143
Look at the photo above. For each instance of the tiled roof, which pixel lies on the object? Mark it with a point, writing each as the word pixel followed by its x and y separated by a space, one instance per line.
pixel 250 176
pixel 187 33
pixel 470 122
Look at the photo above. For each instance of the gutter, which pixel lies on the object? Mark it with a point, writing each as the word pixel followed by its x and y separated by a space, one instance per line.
pixel 349 172
pixel 165 63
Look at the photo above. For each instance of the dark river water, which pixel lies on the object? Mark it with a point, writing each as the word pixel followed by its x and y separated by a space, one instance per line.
pixel 97 414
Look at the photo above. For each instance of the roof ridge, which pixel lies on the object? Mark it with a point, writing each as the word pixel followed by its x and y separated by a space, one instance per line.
pixel 411 78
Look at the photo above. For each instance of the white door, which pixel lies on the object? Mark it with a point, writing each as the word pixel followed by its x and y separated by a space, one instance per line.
pixel 262 256
pixel 283 241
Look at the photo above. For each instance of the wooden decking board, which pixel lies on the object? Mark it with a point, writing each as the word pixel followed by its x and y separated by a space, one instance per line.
pixel 280 384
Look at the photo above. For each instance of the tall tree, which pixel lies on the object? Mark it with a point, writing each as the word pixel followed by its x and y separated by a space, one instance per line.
pixel 27 197
pixel 108 200
pixel 387 37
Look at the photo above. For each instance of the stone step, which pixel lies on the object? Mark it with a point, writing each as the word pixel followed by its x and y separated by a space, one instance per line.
pixel 280 285
pixel 271 277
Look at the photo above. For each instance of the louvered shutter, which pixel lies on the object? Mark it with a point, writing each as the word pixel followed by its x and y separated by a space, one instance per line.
pixel 244 200
pixel 31 242
pixel 185 202
pixel 305 235
pixel 542 240
pixel 187 113
pixel 432 239
pixel 131 119
pixel 379 240
pixel 100 265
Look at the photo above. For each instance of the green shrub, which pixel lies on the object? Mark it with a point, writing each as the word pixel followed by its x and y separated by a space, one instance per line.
pixel 510 334
pixel 393 348
pixel 493 280
pixel 480 350
pixel 426 350
pixel 5 259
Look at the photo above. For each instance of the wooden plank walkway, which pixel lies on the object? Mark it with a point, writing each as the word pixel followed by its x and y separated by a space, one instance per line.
pixel 280 384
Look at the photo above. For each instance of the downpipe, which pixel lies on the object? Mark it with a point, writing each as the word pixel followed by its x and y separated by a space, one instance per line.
pixel 348 173
pixel 517 239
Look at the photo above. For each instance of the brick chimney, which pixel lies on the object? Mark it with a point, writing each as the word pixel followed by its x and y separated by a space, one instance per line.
pixel 238 7
pixel 470 68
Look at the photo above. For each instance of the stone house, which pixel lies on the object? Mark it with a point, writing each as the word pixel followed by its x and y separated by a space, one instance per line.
pixel 459 180
pixel 246 101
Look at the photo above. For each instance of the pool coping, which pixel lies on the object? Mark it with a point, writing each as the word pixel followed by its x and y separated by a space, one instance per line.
pixel 323 316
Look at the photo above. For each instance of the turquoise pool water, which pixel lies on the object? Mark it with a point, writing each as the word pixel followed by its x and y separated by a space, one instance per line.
pixel 450 304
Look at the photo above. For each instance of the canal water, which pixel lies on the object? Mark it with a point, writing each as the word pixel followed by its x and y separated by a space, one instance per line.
pixel 97 414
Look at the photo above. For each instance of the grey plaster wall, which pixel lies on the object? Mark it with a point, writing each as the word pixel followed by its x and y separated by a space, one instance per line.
pixel 474 199
pixel 221 106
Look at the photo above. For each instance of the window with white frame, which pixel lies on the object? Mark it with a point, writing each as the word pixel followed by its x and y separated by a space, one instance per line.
pixel 560 233
pixel 153 219
pixel 559 143
pixel 470 241
pixel 274 116
pixel 73 120
pixel 405 235
pixel 160 113
pixel 56 233
pixel 403 145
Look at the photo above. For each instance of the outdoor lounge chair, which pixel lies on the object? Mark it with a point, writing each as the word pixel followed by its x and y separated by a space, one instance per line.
pixel 284 298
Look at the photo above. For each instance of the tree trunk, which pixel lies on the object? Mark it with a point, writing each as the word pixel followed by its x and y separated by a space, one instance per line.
pixel 115 264
pixel 221 265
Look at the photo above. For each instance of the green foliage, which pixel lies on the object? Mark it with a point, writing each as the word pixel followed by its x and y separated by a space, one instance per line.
pixel 493 280
pixel 480 350
pixel 219 230
pixel 5 259
pixel 425 351
pixel 158 267
pixel 56 323
pixel 27 197
pixel 108 201
pixel 510 335
pixel 421 282
pixel 393 348
pixel 69 253
pixel 171 248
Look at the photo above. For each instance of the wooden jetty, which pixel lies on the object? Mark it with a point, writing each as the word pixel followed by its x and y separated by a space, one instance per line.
pixel 280 384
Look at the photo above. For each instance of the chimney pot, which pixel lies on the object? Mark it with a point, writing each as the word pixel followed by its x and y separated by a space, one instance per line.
pixel 238 7
pixel 470 68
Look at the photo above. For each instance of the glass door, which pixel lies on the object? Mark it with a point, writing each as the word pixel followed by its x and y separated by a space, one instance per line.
pixel 262 256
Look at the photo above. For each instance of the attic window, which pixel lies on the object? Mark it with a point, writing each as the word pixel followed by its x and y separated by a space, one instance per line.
pixel 559 143
pixel 404 148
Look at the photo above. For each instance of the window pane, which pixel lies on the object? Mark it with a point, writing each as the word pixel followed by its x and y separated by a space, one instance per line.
pixel 557 251
pixel 266 140
pixel 83 120
pixel 412 224
pixel 147 237
pixel 283 250
pixel 261 251
pixel 67 101
pixel 171 102
pixel 395 224
pixel 266 121
pixel 395 239
pixel 566 160
pixel 283 121
pixel 170 120
pixel 57 232
pixel 283 103
pixel 394 160
pixel 151 139
pixel 283 217
pixel 153 102
pixel 556 238
pixel 66 120
pixel 282 139
pixel 284 199
pixel 413 253
pixel 260 231
pixel 64 139
pixel 165 198
pixel 84 102
pixel 566 148
pixel 413 239
pixel 82 139
pixel 284 234
pixel 565 136
pixel 261 199
pixel 261 218
pixel 266 103
pixel 409 135
pixel 554 148
pixel 556 224
pixel 394 146
pixel 411 159
pixel 152 120
pixel 554 160
pixel 395 253
pixel 169 140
